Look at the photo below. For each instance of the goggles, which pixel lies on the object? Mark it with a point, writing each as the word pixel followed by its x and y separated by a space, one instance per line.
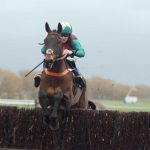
pixel 65 35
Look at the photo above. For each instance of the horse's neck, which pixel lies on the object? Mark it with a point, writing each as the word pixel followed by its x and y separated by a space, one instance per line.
pixel 59 66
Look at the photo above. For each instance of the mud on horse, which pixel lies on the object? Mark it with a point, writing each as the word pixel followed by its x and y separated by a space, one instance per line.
pixel 58 92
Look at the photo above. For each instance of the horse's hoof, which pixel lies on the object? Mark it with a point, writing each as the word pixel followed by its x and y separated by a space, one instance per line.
pixel 46 120
pixel 54 124
pixel 62 116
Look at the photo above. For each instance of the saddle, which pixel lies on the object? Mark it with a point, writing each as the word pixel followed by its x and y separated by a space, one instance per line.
pixel 77 87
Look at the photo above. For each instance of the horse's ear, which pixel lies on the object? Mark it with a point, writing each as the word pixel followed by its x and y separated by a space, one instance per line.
pixel 47 28
pixel 59 28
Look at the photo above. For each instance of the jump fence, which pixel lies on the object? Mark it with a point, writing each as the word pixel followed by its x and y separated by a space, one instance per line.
pixel 82 130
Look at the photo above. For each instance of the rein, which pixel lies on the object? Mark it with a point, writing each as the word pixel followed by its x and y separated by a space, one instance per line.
pixel 61 58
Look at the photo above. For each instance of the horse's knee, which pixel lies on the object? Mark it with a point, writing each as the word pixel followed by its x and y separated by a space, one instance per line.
pixel 43 99
pixel 42 94
pixel 58 96
pixel 59 101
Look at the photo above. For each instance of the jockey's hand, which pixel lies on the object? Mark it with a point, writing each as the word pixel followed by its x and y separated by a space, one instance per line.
pixel 67 52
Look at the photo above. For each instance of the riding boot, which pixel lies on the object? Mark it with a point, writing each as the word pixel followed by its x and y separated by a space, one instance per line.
pixel 78 78
pixel 37 80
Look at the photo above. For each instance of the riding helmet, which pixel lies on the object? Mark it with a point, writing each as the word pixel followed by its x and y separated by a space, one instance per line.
pixel 66 28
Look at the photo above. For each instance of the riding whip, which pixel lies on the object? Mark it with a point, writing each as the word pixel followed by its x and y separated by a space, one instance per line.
pixel 33 69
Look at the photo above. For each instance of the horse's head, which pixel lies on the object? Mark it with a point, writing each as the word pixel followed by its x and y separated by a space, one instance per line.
pixel 52 45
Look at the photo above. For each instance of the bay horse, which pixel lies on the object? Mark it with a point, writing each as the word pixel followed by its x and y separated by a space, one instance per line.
pixel 58 93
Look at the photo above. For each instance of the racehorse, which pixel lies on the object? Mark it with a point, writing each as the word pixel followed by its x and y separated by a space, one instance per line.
pixel 58 93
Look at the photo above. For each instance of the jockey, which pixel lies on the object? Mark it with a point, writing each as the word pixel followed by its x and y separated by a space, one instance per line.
pixel 72 47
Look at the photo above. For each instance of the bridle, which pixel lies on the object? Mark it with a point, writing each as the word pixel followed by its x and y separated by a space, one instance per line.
pixel 55 33
pixel 50 53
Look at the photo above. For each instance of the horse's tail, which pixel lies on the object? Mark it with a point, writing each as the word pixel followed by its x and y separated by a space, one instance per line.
pixel 91 105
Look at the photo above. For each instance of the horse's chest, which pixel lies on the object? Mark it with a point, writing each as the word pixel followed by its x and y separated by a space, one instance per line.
pixel 56 87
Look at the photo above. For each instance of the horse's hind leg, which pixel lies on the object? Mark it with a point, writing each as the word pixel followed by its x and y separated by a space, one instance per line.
pixel 83 101
pixel 91 105
pixel 44 102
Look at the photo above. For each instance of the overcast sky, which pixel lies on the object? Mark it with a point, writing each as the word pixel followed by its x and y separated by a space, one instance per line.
pixel 114 33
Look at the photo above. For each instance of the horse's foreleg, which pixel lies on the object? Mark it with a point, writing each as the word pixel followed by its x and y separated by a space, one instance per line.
pixel 43 99
pixel 54 120
pixel 57 98
pixel 44 102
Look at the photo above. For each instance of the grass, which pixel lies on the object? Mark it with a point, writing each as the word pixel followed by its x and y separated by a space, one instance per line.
pixel 119 105
pixel 140 106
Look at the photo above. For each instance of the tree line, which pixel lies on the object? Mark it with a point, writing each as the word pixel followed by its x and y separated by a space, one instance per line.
pixel 16 86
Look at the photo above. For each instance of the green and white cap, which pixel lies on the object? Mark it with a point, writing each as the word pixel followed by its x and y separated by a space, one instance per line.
pixel 66 28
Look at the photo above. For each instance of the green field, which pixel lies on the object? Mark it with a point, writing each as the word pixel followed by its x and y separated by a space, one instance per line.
pixel 141 105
